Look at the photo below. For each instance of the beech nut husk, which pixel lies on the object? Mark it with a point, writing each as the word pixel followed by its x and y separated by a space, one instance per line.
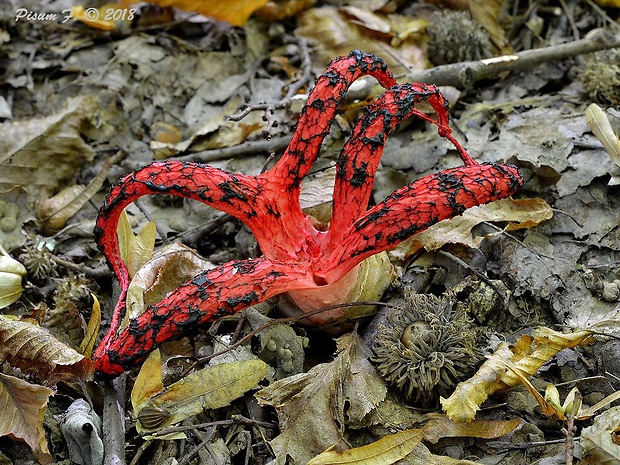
pixel 425 346
pixel 11 274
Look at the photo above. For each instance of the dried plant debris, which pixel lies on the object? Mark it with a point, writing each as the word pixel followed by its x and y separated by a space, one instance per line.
pixel 426 346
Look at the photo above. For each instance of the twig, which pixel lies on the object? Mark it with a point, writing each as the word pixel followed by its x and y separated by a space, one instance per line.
pixel 248 148
pixel 114 421
pixel 466 73
pixel 270 108
pixel 570 429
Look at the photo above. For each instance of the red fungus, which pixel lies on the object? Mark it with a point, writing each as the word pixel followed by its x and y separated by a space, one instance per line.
pixel 296 256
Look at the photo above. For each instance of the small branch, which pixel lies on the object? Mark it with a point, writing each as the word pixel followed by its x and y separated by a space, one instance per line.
pixel 270 108
pixel 247 148
pixel 466 73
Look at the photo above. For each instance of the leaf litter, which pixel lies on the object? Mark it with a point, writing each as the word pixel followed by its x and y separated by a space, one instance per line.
pixel 560 269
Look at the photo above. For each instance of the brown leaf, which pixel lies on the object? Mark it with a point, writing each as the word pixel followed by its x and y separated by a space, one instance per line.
pixel 53 213
pixel 329 394
pixel 46 151
pixel 136 249
pixel 33 349
pixel 440 426
pixel 23 407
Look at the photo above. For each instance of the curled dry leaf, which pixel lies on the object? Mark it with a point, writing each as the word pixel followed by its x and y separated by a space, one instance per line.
pixel 53 213
pixel 506 368
pixel 21 416
pixel 520 214
pixel 209 388
pixel 148 382
pixel 330 394
pixel 600 442
pixel 81 428
pixel 33 349
pixel 92 330
pixel 170 267
pixel 136 249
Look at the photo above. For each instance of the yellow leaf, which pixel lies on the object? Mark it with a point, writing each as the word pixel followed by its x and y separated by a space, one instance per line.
pixel 21 416
pixel 465 401
pixel 136 250
pixel 148 382
pixel 385 451
pixel 545 345
pixel 212 387
pixel 235 13
pixel 86 347
pixel 33 349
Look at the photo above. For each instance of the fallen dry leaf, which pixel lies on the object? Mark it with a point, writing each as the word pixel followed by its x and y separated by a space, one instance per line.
pixel 21 416
pixel 330 394
pixel 506 368
pixel 163 273
pixel 385 451
pixel 235 13
pixel 600 441
pixel 209 388
pixel 92 330
pixel 53 213
pixel 46 151
pixel 520 214
pixel 148 382
pixel 33 349
pixel 136 249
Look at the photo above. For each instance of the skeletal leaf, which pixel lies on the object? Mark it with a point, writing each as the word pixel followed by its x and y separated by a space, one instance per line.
pixel 33 349
pixel 212 387
pixel 21 416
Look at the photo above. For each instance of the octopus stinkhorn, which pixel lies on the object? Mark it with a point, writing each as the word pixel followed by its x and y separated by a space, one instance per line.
pixel 296 254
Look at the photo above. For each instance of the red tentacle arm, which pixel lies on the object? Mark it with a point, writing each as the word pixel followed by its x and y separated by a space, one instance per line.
pixel 248 198
pixel 359 159
pixel 210 295
pixel 315 120
pixel 417 206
